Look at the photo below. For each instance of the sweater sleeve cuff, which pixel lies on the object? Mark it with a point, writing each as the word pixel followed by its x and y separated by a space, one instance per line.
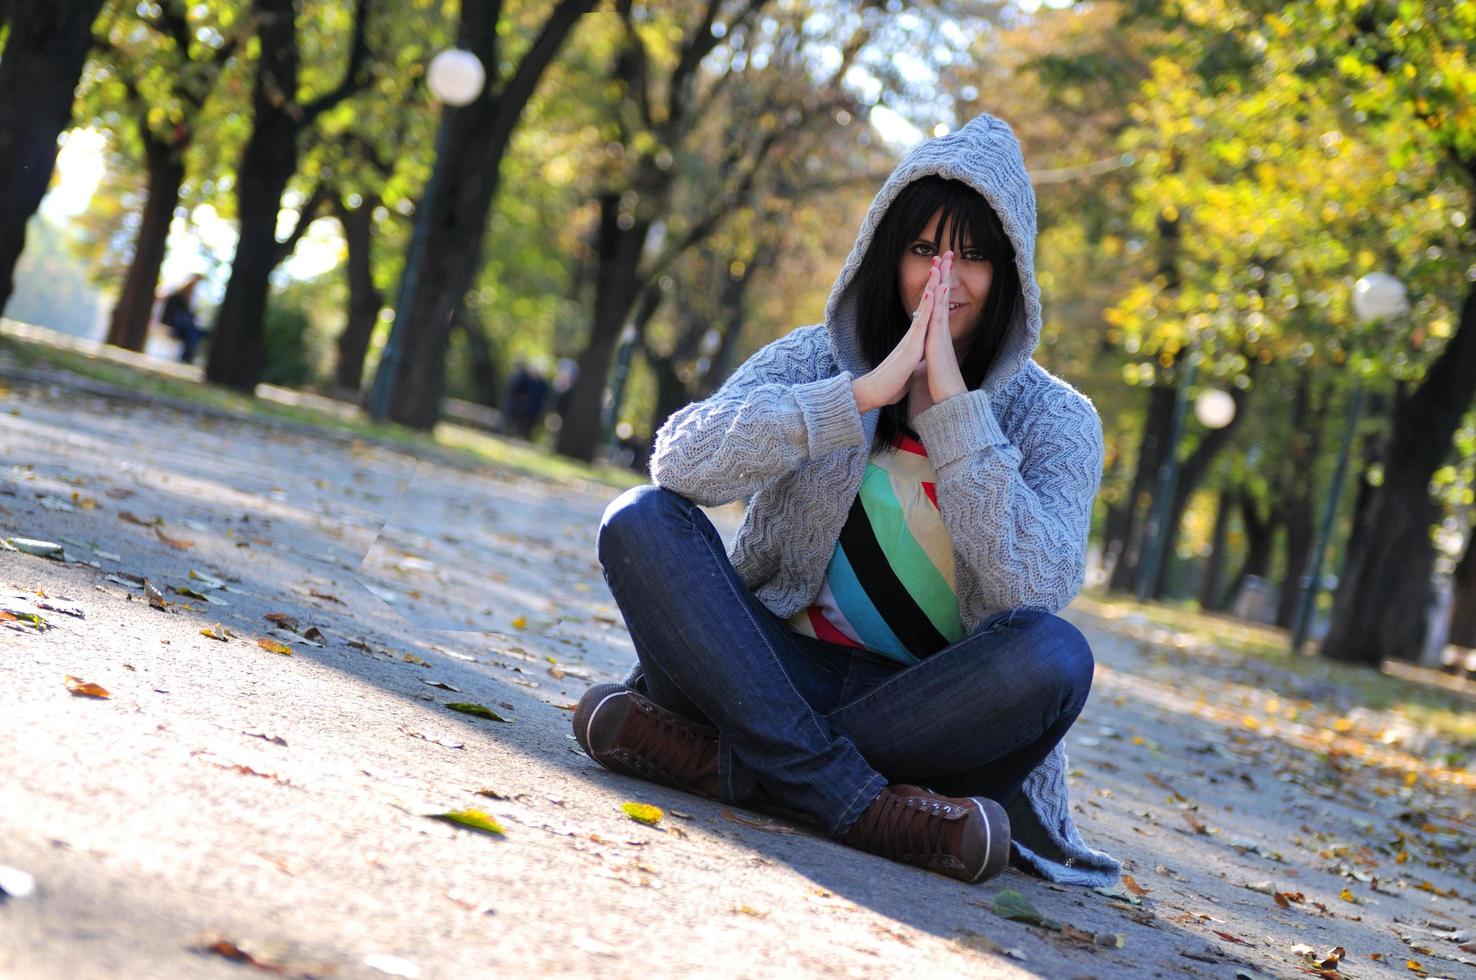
pixel 958 426
pixel 832 419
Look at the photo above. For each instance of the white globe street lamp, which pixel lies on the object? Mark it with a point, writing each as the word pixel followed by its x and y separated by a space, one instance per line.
pixel 455 77
pixel 1378 295
pixel 1214 408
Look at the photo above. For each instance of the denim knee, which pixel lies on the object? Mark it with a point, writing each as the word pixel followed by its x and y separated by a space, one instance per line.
pixel 1072 659
pixel 1064 656
pixel 629 517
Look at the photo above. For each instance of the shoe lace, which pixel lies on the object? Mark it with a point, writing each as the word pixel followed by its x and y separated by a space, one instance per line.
pixel 909 826
pixel 675 749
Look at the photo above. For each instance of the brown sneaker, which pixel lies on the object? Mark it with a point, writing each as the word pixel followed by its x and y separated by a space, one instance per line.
pixel 967 839
pixel 633 735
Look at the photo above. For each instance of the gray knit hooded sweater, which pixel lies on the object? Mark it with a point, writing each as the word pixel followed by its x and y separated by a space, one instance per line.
pixel 1018 462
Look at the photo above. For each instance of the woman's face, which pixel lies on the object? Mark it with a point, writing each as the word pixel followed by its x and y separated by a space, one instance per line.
pixel 969 283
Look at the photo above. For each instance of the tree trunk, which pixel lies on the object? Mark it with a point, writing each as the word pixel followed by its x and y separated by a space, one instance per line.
pixel 365 299
pixel 129 326
pixel 1379 609
pixel 616 288
pixel 671 393
pixel 1260 535
pixel 1300 506
pixel 1191 474
pixel 238 347
pixel 1463 614
pixel 1210 598
pixel 468 168
pixel 45 49
pixel 722 360
pixel 1125 541
pixel 486 379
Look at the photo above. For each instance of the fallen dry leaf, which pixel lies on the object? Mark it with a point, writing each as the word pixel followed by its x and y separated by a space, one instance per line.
pixel 1229 938
pixel 221 946
pixel 86 689
pixel 178 544
pixel 272 646
pixel 475 710
pixel 1133 886
pixel 1287 899
pixel 217 632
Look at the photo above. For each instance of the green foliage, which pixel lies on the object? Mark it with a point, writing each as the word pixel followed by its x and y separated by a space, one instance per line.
pixel 287 361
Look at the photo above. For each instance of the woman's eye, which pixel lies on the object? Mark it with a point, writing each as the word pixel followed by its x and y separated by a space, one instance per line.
pixel 974 255
pixel 923 249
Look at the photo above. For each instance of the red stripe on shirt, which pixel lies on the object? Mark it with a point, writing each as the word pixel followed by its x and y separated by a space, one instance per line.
pixel 931 489
pixel 908 444
pixel 825 631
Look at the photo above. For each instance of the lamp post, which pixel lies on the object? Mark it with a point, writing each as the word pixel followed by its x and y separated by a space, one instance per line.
pixel 1214 409
pixel 455 78
pixel 616 394
pixel 1377 296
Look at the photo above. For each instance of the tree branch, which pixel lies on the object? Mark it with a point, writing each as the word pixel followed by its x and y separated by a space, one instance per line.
pixel 306 215
pixel 355 76
pixel 173 24
pixel 699 46
pixel 519 89
pixel 632 65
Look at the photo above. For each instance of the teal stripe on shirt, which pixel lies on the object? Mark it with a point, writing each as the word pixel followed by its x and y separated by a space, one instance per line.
pixel 853 603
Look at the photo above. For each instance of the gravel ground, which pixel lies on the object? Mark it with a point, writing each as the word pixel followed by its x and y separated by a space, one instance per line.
pixel 227 801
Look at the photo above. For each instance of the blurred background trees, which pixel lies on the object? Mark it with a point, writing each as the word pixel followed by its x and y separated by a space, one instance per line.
pixel 644 191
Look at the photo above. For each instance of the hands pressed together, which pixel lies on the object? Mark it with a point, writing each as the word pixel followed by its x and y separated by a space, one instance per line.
pixel 923 365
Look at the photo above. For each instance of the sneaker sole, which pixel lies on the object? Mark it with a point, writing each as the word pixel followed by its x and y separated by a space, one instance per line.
pixel 594 699
pixel 996 859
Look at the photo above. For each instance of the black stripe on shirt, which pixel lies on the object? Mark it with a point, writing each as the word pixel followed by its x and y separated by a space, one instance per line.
pixel 887 593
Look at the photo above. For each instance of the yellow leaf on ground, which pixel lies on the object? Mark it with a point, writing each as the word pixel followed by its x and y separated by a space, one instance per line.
pixel 272 646
pixel 216 632
pixel 86 689
pixel 643 813
pixel 473 819
pixel 520 623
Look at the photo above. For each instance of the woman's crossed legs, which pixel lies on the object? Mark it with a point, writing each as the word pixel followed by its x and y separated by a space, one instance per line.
pixel 816 727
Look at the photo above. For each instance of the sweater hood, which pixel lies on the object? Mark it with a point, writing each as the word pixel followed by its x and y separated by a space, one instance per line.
pixel 985 155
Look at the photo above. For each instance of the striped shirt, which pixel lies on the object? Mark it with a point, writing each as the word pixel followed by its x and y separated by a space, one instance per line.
pixel 889 587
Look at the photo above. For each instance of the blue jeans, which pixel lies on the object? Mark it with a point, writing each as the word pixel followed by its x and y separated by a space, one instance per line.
pixel 821 728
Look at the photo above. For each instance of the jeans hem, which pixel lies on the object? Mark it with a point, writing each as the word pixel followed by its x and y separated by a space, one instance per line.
pixel 863 799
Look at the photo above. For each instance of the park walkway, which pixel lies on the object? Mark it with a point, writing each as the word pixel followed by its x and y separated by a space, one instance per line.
pixel 267 795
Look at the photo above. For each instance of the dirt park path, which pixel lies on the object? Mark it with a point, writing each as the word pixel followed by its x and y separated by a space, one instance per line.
pixel 228 805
